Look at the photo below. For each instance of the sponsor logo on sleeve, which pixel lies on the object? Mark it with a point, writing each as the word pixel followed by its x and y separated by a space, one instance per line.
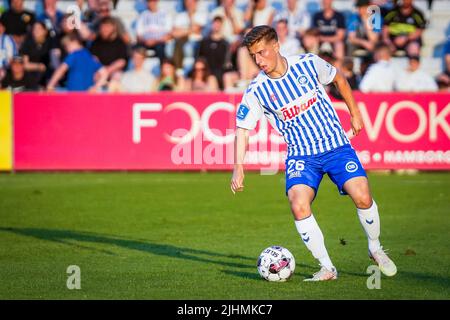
pixel 242 112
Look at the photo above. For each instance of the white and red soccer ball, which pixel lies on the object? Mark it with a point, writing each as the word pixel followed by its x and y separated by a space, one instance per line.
pixel 276 263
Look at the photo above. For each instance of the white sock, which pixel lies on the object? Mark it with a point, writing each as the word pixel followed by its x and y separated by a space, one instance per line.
pixel 370 221
pixel 313 239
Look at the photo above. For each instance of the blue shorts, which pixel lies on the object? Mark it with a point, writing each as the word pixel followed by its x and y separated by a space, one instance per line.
pixel 341 164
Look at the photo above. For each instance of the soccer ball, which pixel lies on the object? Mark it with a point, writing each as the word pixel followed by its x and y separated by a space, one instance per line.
pixel 276 264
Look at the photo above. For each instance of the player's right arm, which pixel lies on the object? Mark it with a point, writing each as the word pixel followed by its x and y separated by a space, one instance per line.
pixel 247 116
pixel 240 148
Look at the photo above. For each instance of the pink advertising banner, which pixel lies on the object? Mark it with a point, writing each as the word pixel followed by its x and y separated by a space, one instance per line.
pixel 172 131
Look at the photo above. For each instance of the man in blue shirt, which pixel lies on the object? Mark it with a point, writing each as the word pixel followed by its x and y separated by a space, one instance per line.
pixel 82 68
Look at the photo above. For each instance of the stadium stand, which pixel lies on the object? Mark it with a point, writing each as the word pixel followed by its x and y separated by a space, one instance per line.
pixel 434 37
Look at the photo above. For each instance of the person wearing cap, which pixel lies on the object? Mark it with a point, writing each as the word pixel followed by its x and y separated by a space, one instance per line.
pixel 17 78
pixel 363 29
pixel 414 79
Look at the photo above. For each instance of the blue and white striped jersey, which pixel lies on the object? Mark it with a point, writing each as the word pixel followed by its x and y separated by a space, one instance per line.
pixel 153 25
pixel 296 105
pixel 7 50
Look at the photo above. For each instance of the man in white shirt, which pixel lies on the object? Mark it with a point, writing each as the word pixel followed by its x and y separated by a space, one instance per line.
pixel 380 76
pixel 299 20
pixel 289 45
pixel 153 28
pixel 233 20
pixel 187 31
pixel 414 79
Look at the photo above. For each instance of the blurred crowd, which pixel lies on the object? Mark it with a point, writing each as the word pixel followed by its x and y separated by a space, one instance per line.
pixel 90 49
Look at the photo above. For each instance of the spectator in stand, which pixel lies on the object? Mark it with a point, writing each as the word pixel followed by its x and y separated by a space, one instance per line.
pixel 413 79
pixel 109 48
pixel 88 11
pixel 200 78
pixel 104 10
pixel 238 80
pixel 51 18
pixel 289 46
pixel 298 19
pixel 215 49
pixel 233 26
pixel 137 79
pixel 331 26
pixel 363 33
pixel 443 80
pixel 311 41
pixel 187 31
pixel 7 50
pixel 168 79
pixel 258 13
pixel 36 54
pixel 347 70
pixel 403 28
pixel 380 76
pixel 153 29
pixel 385 6
pixel 17 78
pixel 17 21
pixel 67 25
pixel 233 20
pixel 84 72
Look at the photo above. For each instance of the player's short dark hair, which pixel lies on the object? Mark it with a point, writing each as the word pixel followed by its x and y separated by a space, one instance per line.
pixel 258 34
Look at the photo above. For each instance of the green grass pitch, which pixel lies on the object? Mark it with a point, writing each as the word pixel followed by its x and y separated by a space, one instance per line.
pixel 186 236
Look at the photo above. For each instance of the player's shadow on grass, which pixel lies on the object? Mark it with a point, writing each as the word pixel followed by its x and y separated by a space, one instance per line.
pixel 67 236
pixel 255 275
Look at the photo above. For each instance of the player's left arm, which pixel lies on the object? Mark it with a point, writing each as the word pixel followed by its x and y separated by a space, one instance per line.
pixel 345 90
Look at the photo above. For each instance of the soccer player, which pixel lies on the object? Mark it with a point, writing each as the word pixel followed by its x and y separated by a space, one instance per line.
pixel 289 92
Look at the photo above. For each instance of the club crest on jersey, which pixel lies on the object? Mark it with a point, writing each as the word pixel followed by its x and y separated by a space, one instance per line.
pixel 292 112
pixel 303 80
pixel 273 97
pixel 242 112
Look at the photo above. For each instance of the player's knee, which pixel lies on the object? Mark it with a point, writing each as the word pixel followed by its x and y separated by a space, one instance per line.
pixel 363 201
pixel 300 210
